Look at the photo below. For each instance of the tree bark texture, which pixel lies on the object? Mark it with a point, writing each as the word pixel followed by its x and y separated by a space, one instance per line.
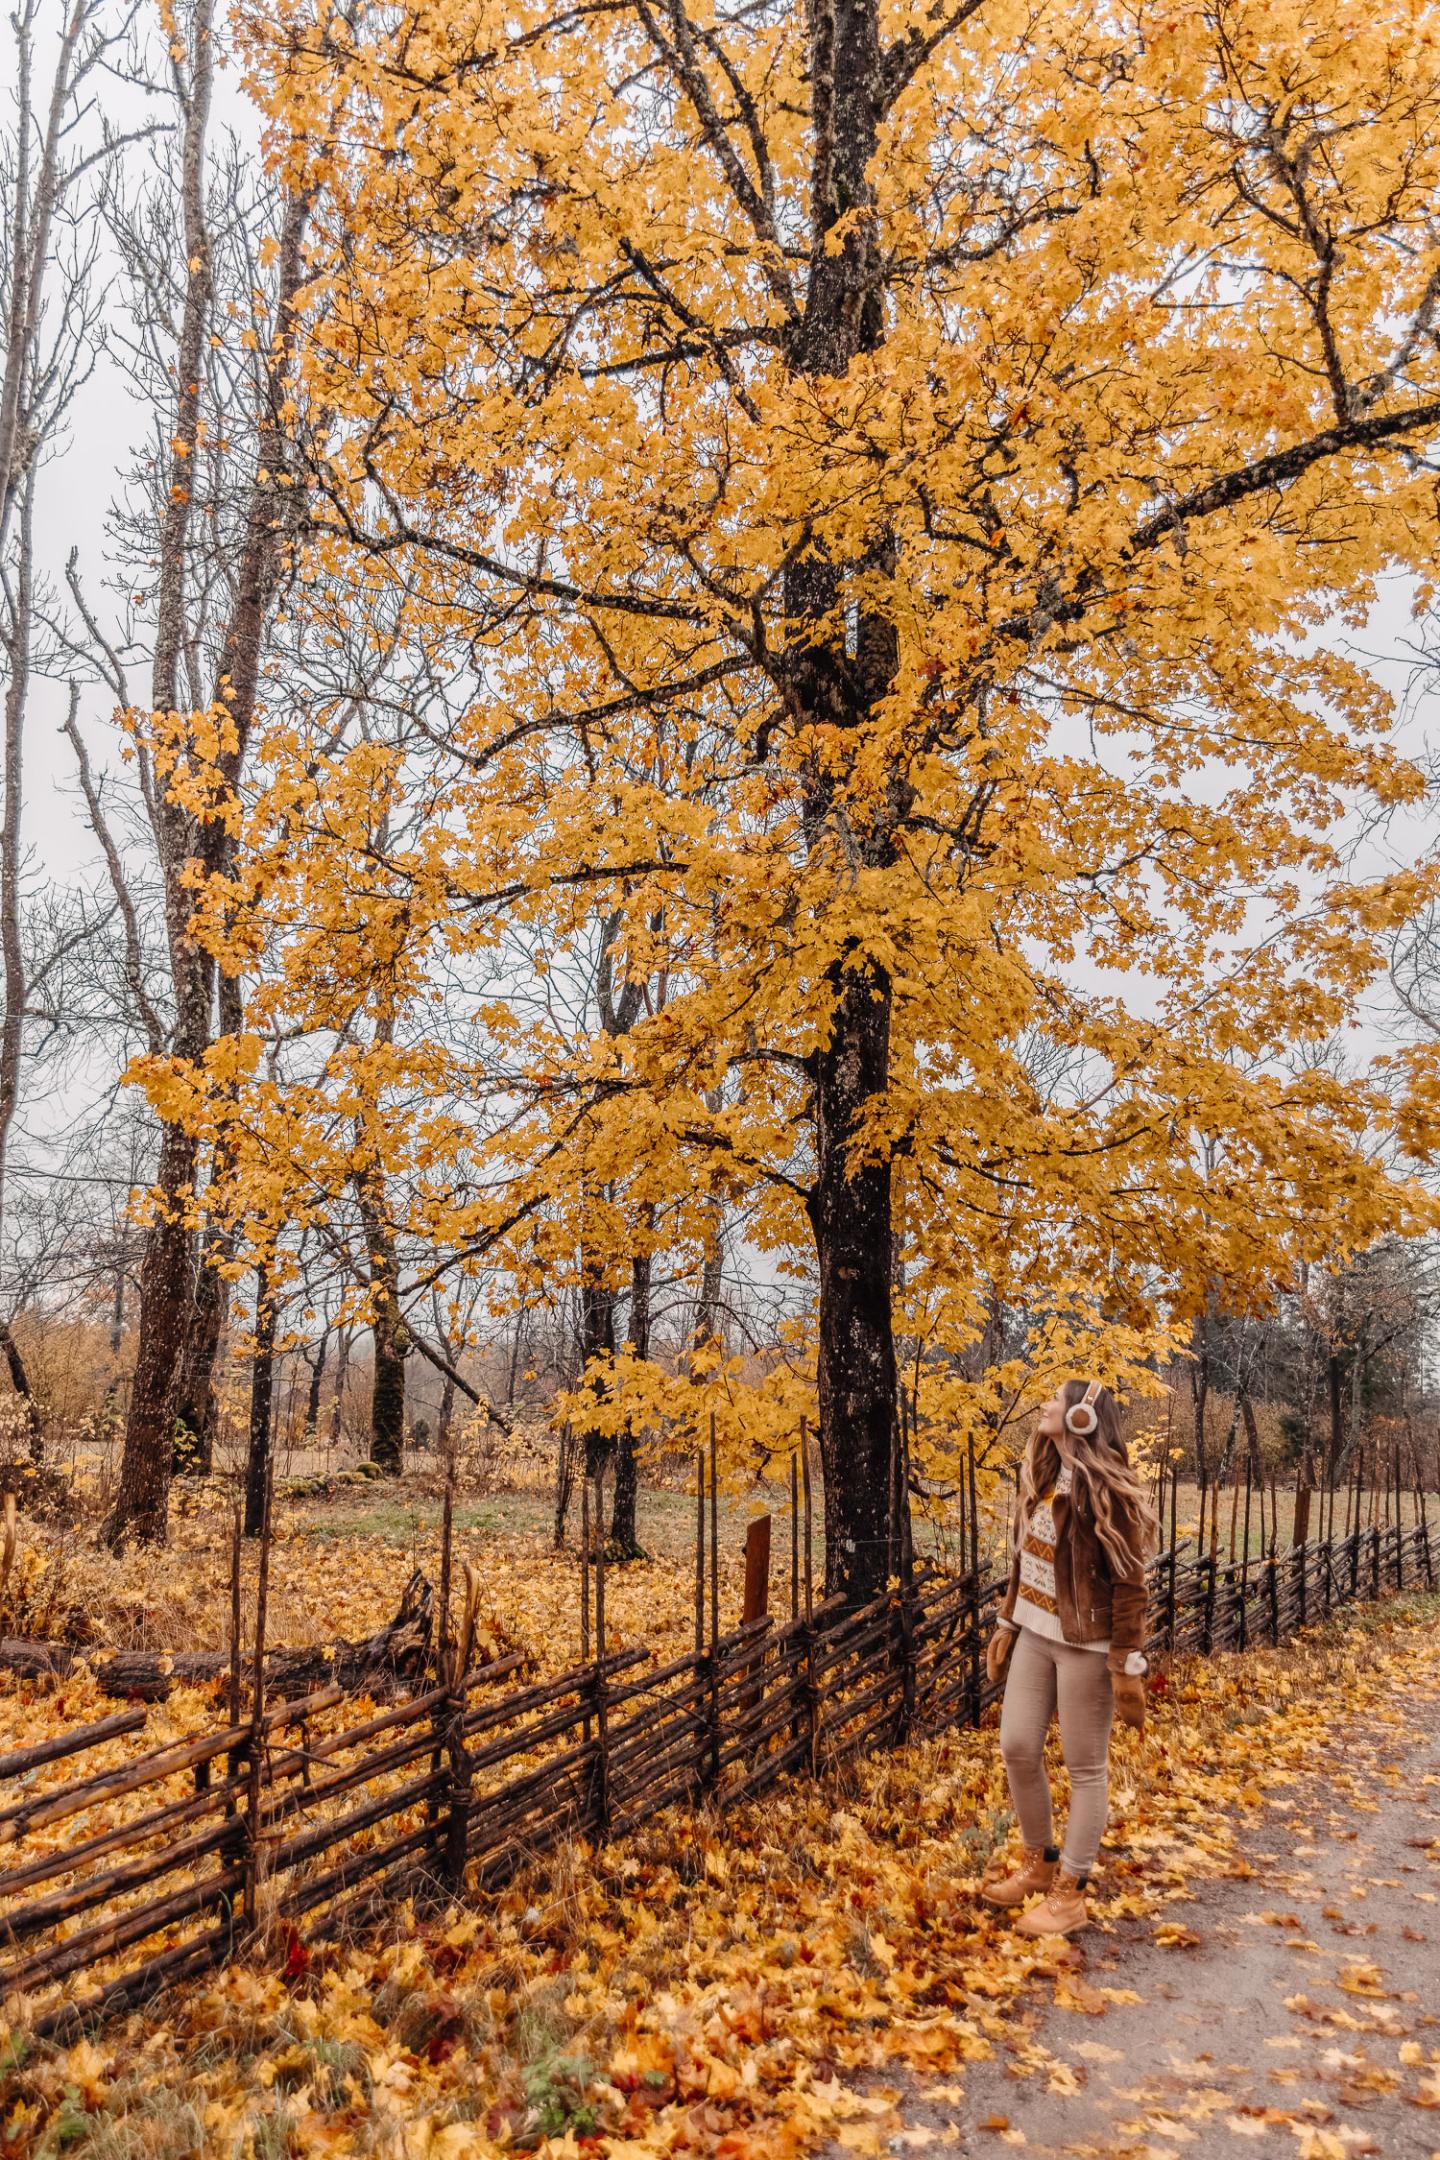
pixel 387 1396
pixel 390 1336
pixel 142 1507
pixel 850 1210
pixel 829 684
pixel 262 1403
pixel 597 1344
pixel 196 1406
pixel 624 1536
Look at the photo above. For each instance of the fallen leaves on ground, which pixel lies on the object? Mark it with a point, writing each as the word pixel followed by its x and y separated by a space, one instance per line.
pixel 730 1986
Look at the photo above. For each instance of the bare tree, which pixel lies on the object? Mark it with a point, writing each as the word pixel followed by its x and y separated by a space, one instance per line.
pixel 215 514
pixel 50 305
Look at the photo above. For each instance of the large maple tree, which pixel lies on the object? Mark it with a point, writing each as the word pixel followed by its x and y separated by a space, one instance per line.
pixel 895 471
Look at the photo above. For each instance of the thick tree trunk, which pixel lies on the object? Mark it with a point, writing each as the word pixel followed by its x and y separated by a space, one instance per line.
pixel 597 1347
pixel 389 1334
pixel 833 686
pixel 166 1288
pixel 624 1538
pixel 197 1409
pixel 1200 1396
pixel 387 1396
pixel 624 1543
pixel 850 1214
pixel 262 1398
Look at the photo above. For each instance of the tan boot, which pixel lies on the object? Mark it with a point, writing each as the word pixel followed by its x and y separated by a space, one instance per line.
pixel 1062 1911
pixel 1034 1873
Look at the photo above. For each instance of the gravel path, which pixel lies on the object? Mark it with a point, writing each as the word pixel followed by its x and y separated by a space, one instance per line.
pixel 1294 2010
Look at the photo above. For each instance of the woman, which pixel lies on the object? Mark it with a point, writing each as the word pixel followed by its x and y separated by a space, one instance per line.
pixel 1071 1634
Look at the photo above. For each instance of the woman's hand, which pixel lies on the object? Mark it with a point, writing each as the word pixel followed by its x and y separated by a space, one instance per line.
pixel 997 1651
pixel 1130 1699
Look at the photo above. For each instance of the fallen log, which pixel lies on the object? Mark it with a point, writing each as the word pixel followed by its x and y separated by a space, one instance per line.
pixel 390 1659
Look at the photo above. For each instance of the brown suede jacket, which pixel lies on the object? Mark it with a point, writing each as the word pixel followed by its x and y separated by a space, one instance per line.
pixel 1093 1605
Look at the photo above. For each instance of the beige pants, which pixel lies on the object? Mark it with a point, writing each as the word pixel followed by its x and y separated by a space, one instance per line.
pixel 1042 1676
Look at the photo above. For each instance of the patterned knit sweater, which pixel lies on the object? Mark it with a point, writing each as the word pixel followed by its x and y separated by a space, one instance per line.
pixel 1036 1606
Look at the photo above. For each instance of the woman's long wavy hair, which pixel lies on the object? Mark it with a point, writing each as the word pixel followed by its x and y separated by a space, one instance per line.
pixel 1102 1482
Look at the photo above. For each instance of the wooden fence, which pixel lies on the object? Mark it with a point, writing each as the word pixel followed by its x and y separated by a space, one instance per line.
pixel 161 1864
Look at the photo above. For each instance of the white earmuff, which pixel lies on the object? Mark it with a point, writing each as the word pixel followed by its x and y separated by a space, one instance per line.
pixel 1082 1417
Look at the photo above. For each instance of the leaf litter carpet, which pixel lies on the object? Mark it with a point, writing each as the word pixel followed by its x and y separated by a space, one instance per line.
pixel 812 1973
pixel 1289 2003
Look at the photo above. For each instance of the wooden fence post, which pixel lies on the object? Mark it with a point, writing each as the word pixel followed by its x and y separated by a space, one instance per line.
pixel 1244 1614
pixel 457 1799
pixel 254 1831
pixel 1424 1515
pixel 600 1783
pixel 1174 1562
pixel 232 1760
pixel 236 1548
pixel 699 1551
pixel 714 1537
pixel 756 1602
pixel 908 1662
pixel 757 1571
pixel 585 1585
